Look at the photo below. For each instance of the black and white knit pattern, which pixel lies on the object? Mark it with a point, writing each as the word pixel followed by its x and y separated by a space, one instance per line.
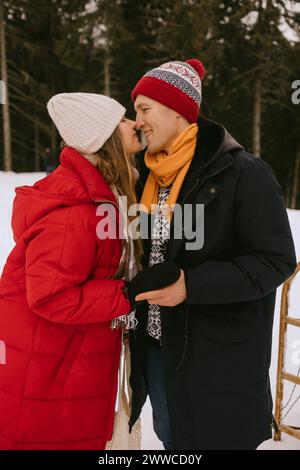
pixel 160 236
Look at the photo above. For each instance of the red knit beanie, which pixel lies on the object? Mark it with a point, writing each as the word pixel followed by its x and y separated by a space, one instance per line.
pixel 176 84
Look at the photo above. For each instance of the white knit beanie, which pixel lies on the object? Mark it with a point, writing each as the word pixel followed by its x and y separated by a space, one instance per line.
pixel 85 121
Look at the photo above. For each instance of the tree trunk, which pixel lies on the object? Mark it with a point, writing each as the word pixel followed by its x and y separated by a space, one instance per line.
pixel 53 138
pixel 6 115
pixel 36 146
pixel 107 76
pixel 256 117
pixel 295 180
pixel 288 192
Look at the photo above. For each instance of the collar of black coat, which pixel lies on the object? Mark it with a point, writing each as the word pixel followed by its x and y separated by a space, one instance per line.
pixel 214 143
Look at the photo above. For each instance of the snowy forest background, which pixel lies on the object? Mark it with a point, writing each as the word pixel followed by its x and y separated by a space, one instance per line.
pixel 250 49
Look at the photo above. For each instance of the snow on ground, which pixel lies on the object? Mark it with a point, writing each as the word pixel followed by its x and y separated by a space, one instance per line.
pixel 9 180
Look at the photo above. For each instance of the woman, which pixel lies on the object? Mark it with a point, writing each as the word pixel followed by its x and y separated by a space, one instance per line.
pixel 62 287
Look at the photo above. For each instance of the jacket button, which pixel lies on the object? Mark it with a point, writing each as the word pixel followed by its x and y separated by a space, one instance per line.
pixel 212 190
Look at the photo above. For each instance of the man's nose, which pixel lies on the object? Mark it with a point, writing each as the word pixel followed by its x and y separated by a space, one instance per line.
pixel 139 123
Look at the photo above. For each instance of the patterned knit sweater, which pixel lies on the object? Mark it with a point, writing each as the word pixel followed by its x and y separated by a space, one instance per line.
pixel 159 240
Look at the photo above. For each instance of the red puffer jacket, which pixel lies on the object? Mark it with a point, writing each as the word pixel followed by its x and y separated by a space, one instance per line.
pixel 58 386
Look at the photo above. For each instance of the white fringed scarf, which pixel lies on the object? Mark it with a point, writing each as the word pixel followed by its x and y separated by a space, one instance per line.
pixel 127 322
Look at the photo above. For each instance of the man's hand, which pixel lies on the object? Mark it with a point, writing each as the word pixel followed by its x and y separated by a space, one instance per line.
pixel 168 296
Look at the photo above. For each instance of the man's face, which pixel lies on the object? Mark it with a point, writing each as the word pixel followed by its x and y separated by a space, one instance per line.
pixel 159 123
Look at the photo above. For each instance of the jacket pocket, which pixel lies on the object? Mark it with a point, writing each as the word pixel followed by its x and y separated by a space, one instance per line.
pixel 223 327
pixel 67 361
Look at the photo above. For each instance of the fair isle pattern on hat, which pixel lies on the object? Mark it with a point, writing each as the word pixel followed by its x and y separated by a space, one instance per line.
pixel 182 76
pixel 175 84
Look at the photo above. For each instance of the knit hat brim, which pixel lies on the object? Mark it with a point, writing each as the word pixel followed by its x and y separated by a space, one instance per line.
pixel 163 92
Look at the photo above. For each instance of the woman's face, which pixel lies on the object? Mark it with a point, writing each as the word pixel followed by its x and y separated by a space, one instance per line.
pixel 129 136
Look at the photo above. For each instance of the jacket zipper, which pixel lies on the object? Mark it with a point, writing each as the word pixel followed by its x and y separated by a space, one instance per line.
pixel 186 327
pixel 186 340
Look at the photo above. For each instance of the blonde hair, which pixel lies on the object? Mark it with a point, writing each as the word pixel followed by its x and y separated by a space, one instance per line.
pixel 116 168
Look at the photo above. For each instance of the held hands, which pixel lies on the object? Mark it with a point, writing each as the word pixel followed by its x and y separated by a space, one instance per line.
pixel 161 284
pixel 168 296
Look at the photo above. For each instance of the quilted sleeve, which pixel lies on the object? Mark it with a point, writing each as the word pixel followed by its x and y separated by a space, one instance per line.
pixel 59 260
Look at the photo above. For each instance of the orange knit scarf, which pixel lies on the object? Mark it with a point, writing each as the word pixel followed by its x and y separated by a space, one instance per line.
pixel 169 168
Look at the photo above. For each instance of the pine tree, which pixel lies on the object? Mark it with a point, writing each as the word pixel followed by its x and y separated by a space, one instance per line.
pixel 5 105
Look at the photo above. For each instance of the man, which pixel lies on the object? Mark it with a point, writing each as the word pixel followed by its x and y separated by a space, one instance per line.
pixel 203 344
